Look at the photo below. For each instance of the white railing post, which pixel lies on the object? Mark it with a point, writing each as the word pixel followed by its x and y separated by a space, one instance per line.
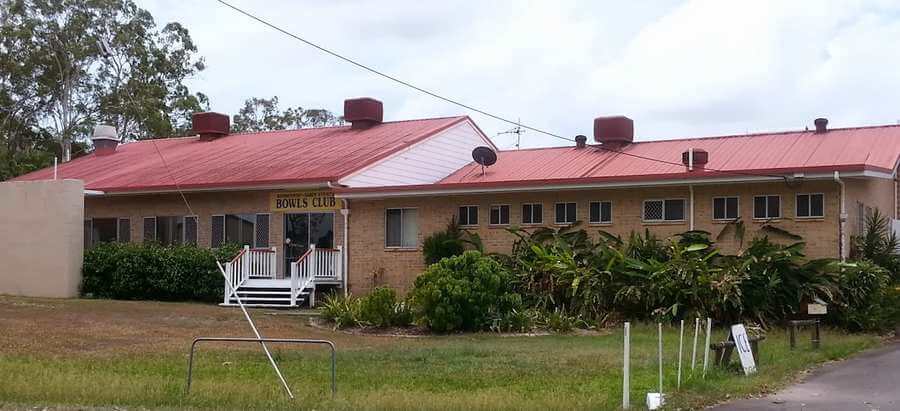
pixel 228 280
pixel 294 281
pixel 273 263
pixel 313 261
pixel 245 263
pixel 339 263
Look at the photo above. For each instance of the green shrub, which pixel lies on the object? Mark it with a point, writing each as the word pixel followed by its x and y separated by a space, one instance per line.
pixel 153 272
pixel 516 321
pixel 463 293
pixel 380 308
pixel 341 310
pixel 443 244
pixel 870 302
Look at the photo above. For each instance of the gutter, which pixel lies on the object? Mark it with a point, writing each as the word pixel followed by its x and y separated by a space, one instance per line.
pixel 842 243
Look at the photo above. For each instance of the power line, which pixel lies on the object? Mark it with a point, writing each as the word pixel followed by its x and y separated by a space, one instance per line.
pixel 518 124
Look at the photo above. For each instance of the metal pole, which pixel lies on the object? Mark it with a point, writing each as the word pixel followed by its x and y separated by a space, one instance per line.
pixel 625 383
pixel 694 353
pixel 706 346
pixel 680 351
pixel 255 331
pixel 659 331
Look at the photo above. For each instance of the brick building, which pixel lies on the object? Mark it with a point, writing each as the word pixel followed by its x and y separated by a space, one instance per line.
pixel 350 206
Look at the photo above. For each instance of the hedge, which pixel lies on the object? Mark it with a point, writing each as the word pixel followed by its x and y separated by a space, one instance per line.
pixel 154 272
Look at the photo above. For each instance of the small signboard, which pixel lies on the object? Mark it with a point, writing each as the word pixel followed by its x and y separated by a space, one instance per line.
pixel 816 309
pixel 742 346
pixel 303 201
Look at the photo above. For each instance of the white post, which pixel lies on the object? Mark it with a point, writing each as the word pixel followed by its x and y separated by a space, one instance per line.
pixel 706 346
pixel 273 263
pixel 659 331
pixel 680 351
pixel 293 270
pixel 312 260
pixel 694 353
pixel 339 262
pixel 625 383
pixel 313 267
pixel 245 263
pixel 228 278
pixel 55 167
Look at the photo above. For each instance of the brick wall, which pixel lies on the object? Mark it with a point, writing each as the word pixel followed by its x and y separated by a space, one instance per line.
pixel 400 267
pixel 204 205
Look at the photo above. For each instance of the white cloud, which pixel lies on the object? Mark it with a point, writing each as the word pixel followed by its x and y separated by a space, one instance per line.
pixel 693 68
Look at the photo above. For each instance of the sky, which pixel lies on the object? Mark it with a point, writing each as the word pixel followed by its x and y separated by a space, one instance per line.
pixel 677 68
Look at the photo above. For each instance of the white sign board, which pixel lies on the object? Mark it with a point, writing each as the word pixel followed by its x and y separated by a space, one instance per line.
pixel 742 346
pixel 816 309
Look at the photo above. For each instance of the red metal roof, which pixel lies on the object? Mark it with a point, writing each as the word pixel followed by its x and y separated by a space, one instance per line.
pixel 864 148
pixel 315 155
pixel 874 148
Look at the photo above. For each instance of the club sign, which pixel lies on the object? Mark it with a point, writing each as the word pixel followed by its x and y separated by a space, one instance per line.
pixel 302 201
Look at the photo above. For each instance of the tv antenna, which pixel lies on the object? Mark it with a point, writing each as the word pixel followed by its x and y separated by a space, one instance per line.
pixel 485 156
pixel 517 130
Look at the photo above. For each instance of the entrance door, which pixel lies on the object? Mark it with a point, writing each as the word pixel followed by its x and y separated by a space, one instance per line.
pixel 303 229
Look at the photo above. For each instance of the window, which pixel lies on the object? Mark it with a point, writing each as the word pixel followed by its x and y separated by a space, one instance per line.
pixel 242 229
pixel 500 215
pixel 601 212
pixel 725 208
pixel 468 215
pixel 566 213
pixel 401 227
pixel 170 230
pixel 664 210
pixel 767 207
pixel 106 230
pixel 532 213
pixel 810 205
pixel 124 229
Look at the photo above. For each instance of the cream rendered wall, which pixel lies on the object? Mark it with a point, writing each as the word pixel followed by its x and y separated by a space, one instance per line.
pixel 41 237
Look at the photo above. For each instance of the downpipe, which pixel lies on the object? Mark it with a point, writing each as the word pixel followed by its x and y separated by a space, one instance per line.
pixel 691 224
pixel 842 229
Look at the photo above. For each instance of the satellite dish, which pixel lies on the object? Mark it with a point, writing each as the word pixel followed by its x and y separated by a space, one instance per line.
pixel 484 156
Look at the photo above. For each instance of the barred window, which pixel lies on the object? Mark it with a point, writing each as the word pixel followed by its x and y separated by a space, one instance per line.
pixel 262 230
pixel 217 231
pixel 190 230
pixel 664 210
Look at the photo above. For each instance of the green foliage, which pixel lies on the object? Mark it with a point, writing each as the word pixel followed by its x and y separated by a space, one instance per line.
pixel 870 302
pixel 463 293
pixel 380 308
pixel 878 244
pixel 153 272
pixel 262 114
pixel 443 244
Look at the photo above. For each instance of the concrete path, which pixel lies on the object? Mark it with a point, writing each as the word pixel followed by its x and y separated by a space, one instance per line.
pixel 869 381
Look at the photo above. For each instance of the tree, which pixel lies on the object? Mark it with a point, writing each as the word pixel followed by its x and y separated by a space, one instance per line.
pixel 68 64
pixel 261 114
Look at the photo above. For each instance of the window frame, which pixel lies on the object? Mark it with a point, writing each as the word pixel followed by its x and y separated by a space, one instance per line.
pixel 809 206
pixel 600 216
pixel 468 224
pixel 566 208
pixel 500 223
pixel 713 209
pixel 768 217
pixel 684 210
pixel 541 214
pixel 415 245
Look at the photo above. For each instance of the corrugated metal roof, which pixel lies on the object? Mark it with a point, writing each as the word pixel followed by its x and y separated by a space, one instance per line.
pixel 314 155
pixel 865 148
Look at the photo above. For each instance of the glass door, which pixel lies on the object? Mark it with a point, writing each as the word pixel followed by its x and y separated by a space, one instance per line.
pixel 303 229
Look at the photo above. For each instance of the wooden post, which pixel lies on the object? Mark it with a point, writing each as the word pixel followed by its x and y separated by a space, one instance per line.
pixel 625 363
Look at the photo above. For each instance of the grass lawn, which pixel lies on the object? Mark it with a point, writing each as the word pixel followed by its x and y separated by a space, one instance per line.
pixel 98 353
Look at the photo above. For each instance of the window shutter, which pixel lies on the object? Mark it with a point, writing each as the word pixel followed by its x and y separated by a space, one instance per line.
pixel 262 230
pixel 190 230
pixel 124 230
pixel 149 228
pixel 217 231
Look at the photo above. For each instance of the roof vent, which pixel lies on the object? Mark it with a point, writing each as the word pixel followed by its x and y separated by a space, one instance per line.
pixel 580 141
pixel 363 112
pixel 210 126
pixel 614 131
pixel 821 125
pixel 105 140
pixel 694 158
